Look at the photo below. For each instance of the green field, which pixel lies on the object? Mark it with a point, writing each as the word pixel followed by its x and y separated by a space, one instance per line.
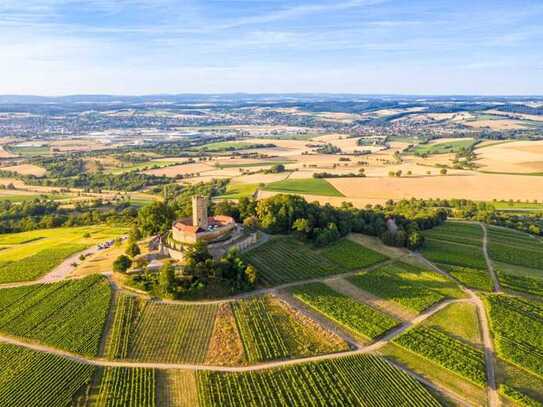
pixel 352 255
pixel 223 146
pixel 465 233
pixel 459 320
pixel 238 191
pixel 455 254
pixel 412 287
pixel 29 255
pixel 35 379
pixel 444 147
pixel 516 248
pixel 283 260
pixel 30 151
pixel 269 332
pixel 359 318
pixel 184 331
pixel 446 351
pixel 470 277
pixel 517 325
pixel 312 186
pixel 362 380
pixel 69 315
pixel 253 164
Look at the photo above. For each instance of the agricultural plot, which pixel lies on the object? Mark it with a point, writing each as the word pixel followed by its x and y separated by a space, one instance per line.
pixel 238 191
pixel 470 277
pixel 172 333
pixel 130 387
pixel 269 331
pixel 127 313
pixel 412 287
pixel 225 347
pixel 30 255
pixel 357 380
pixel 513 279
pixel 443 147
pixel 358 317
pixel 518 397
pixel 512 247
pixel 517 384
pixel 517 325
pixel 311 186
pixel 285 259
pixel 455 254
pixel 351 255
pixel 465 233
pixel 30 378
pixel 177 388
pixel 69 315
pixel 445 351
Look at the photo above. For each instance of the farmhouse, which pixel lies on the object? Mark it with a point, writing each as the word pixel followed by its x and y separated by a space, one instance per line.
pixel 220 232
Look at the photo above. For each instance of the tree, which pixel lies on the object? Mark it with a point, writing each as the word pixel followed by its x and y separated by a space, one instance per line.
pixel 197 253
pixel 443 171
pixel 135 234
pixel 166 278
pixel 277 168
pixel 155 218
pixel 133 249
pixel 251 223
pixel 121 264
pixel 250 275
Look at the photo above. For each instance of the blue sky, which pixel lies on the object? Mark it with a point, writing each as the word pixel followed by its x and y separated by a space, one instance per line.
pixel 54 47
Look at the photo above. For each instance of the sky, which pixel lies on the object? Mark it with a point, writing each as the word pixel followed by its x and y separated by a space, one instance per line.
pixel 136 47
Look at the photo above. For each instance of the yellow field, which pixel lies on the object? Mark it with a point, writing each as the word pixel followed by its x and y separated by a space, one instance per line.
pixel 26 169
pixel 180 170
pixel 516 157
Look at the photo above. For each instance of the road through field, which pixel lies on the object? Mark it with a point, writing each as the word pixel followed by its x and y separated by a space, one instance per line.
pixel 489 264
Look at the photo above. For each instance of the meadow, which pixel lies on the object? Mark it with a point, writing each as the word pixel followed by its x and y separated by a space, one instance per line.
pixel 443 147
pixel 310 186
pixel 30 255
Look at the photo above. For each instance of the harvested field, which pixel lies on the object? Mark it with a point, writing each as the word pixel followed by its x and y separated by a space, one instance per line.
pixel 180 170
pixel 26 169
pixel 514 157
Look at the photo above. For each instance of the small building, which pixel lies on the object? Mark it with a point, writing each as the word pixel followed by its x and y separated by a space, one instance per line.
pixel 219 232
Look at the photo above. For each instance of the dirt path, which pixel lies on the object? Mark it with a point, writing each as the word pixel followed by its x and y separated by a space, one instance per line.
pixel 64 269
pixel 488 344
pixel 489 264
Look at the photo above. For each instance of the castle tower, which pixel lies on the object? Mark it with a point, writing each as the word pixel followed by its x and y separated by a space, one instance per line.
pixel 199 211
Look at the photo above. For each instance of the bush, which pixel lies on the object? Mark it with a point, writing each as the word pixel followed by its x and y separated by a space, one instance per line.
pixel 121 264
pixel 133 250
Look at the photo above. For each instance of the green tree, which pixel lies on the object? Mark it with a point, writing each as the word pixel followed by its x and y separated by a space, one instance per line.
pixel 166 278
pixel 250 275
pixel 121 264
pixel 443 171
pixel 155 218
pixel 133 250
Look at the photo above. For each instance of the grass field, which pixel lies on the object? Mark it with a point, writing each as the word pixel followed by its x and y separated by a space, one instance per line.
pixel 352 255
pixel 222 146
pixel 443 148
pixel 359 318
pixel 311 186
pixel 517 325
pixel 69 315
pixel 357 380
pixel 270 330
pixel 35 379
pixel 283 260
pixel 237 191
pixel 30 255
pixel 412 287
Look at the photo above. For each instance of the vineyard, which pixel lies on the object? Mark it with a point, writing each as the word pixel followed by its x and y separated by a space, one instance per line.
pixel 518 397
pixel 446 351
pixel 177 388
pixel 517 325
pixel 465 233
pixel 516 282
pixel 412 287
pixel 29 378
pixel 172 333
pixel 363 380
pixel 512 247
pixel 473 278
pixel 358 317
pixel 456 254
pixel 268 332
pixel 127 312
pixel 69 315
pixel 351 255
pixel 285 259
pixel 124 387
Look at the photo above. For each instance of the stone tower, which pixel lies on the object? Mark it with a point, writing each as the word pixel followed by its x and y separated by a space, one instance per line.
pixel 199 211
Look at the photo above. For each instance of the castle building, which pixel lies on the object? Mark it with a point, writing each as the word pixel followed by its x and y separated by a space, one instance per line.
pixel 219 232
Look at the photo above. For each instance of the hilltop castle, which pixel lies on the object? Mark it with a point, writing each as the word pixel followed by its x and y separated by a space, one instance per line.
pixel 220 232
